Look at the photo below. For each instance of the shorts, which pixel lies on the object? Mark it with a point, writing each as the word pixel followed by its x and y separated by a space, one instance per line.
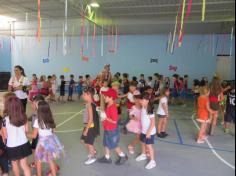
pixel 34 143
pixel 111 139
pixel 183 94
pixel 62 93
pixel 90 138
pixel 215 106
pixel 20 152
pixel 175 93
pixel 71 91
pixel 230 117
pixel 161 116
pixel 143 139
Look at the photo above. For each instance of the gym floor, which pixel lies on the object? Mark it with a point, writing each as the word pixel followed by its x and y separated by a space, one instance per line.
pixel 177 155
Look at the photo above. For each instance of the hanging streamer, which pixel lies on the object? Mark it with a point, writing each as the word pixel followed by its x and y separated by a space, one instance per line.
pixel 203 10
pixel 82 35
pixel 64 42
pixel 168 49
pixel 190 4
pixel 66 15
pixel 231 42
pixel 224 43
pixel 39 21
pixel 102 44
pixel 94 40
pixel 49 47
pixel 174 36
pixel 182 24
pixel 213 45
pixel 108 39
pixel 88 36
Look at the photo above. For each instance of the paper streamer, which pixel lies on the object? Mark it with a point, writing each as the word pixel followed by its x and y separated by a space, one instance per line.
pixel 231 42
pixel 168 49
pixel 66 15
pixel 203 10
pixel 190 4
pixel 213 45
pixel 39 21
pixel 49 47
pixel 182 24
pixel 174 36
pixel 64 42
pixel 82 35
pixel 94 40
pixel 88 25
pixel 102 44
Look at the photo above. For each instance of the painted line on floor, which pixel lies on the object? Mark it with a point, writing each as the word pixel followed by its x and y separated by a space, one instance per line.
pixel 64 113
pixel 211 146
pixel 195 146
pixel 70 118
pixel 181 141
pixel 70 131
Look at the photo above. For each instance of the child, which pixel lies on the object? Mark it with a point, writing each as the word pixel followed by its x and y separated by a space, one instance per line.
pixel 182 92
pixel 156 82
pixel 126 83
pixel 34 87
pixel 148 132
pixel 196 92
pixel 216 96
pixel 88 82
pixel 104 88
pixel 54 88
pixel 15 127
pixel 111 130
pixel 44 86
pixel 142 83
pixel 150 82
pixel 230 108
pixel 49 147
pixel 134 126
pixel 80 87
pixel 203 113
pixel 175 93
pixel 163 113
pixel 91 122
pixel 33 118
pixel 71 88
pixel 167 82
pixel 3 158
pixel 62 88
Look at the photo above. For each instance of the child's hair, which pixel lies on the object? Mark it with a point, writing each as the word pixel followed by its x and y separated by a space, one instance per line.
pixel 135 78
pixel 49 77
pixel 133 84
pixel 157 75
pixel 148 88
pixel 81 77
pixel 8 95
pixel 196 82
pixel 150 108
pixel 14 109
pixel 21 70
pixel 142 75
pixel 62 77
pixel 89 90
pixel 125 75
pixel 150 78
pixel 176 76
pixel 215 86
pixel 163 92
pixel 161 77
pixel 38 97
pixel 181 79
pixel 185 76
pixel 45 117
pixel 72 76
pixel 204 90
pixel 232 85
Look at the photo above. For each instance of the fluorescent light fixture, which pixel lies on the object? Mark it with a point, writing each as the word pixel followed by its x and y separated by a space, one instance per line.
pixel 6 19
pixel 94 5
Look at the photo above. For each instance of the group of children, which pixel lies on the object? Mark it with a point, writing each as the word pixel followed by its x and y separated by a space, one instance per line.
pixel 105 98
pixel 15 135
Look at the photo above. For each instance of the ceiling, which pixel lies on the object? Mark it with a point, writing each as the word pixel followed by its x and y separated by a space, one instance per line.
pixel 132 16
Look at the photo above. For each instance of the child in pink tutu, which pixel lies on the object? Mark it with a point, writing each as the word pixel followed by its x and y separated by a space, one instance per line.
pixel 34 87
pixel 134 125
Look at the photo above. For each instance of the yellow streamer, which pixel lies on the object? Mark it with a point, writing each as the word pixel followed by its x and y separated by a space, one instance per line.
pixel 203 10
pixel 182 20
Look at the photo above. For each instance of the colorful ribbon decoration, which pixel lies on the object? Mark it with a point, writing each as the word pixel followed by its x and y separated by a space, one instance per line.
pixel 190 4
pixel 203 10
pixel 64 42
pixel 182 24
pixel 94 40
pixel 174 36
pixel 231 42
pixel 82 35
pixel 39 21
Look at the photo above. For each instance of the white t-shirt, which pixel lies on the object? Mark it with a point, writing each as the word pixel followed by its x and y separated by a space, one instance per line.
pixel 42 132
pixel 23 81
pixel 131 97
pixel 104 89
pixel 16 136
pixel 146 122
pixel 160 110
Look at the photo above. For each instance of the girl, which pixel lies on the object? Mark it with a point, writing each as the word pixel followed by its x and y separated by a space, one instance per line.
pixel 175 89
pixel 182 92
pixel 44 86
pixel 134 126
pixel 34 87
pixel 148 132
pixel 196 93
pixel 48 148
pixel 54 88
pixel 203 113
pixel 91 122
pixel 216 95
pixel 80 87
pixel 15 127
pixel 163 113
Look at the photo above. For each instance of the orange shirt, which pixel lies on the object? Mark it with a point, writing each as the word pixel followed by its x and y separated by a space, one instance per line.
pixel 203 113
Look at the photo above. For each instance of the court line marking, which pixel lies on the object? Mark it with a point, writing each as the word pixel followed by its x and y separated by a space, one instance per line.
pixel 181 141
pixel 70 131
pixel 64 113
pixel 70 118
pixel 211 146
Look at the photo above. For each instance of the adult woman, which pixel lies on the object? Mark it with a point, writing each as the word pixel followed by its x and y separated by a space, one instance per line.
pixel 19 84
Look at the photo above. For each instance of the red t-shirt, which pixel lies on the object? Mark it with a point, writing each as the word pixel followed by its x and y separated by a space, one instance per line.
pixel 112 113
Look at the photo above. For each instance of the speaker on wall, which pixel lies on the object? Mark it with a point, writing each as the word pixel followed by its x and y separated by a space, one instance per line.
pixel 4 79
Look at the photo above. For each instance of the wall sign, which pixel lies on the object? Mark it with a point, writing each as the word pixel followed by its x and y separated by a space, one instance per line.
pixel 173 68
pixel 152 60
pixel 46 60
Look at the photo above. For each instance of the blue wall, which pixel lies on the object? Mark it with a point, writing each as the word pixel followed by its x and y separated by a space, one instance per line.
pixel 5 54
pixel 194 58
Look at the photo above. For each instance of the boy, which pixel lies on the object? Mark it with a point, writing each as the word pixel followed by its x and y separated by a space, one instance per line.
pixel 62 88
pixel 230 108
pixel 142 83
pixel 111 131
pixel 71 88
pixel 80 86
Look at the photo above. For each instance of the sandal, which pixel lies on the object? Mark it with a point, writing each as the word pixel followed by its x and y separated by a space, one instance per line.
pixel 49 173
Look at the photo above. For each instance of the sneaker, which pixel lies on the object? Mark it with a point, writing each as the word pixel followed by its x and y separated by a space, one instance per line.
pixel 122 160
pixel 160 135
pixel 200 141
pixel 104 160
pixel 142 157
pixel 90 161
pixel 164 134
pixel 151 165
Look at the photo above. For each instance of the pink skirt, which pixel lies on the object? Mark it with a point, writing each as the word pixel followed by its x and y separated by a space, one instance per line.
pixel 134 126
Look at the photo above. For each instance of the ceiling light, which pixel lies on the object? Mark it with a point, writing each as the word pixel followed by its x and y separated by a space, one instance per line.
pixel 94 5
pixel 6 19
